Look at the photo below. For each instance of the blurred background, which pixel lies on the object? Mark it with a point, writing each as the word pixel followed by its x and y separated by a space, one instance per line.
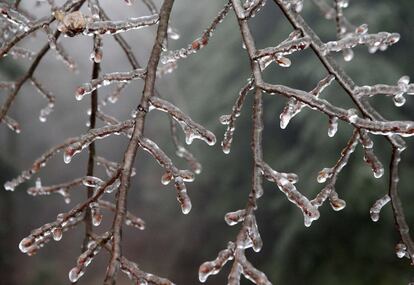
pixel 340 248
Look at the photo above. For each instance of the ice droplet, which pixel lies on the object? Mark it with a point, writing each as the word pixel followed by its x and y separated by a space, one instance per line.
pixel 74 274
pixel 233 218
pixel 38 183
pixel 166 178
pixel 57 233
pixel 68 154
pixel 399 100
pixel 348 54
pixel 352 115
pixel 337 204
pixel 9 186
pixel 324 174
pixel 97 219
pixel 333 126
pixel 400 250
pixel 379 172
pixel 25 244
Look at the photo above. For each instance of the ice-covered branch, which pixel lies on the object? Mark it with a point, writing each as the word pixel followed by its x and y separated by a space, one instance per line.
pixel 199 43
pixel 42 235
pixel 62 188
pixel 82 142
pixel 75 23
pixel 330 175
pixel 294 106
pixel 109 78
pixel 230 120
pixel 192 130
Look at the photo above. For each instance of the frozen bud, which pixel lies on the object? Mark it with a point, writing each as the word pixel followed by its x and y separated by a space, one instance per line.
pixel 362 29
pixel 57 233
pixel 206 269
pixel 225 119
pixel 403 82
pixel 378 205
pixel 283 61
pixel 25 244
pixel 166 178
pixel 75 274
pixel 399 100
pixel 324 174
pixel 97 219
pixel 68 154
pixel 186 175
pixel 233 218
pixel 336 203
pixel 400 250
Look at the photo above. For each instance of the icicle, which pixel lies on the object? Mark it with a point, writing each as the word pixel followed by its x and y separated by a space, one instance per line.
pixel 97 53
pixel 333 126
pixel 95 213
pixel 94 8
pixel 336 203
pixel 370 157
pixel 288 113
pixel 376 208
pixel 182 196
pixel 253 232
